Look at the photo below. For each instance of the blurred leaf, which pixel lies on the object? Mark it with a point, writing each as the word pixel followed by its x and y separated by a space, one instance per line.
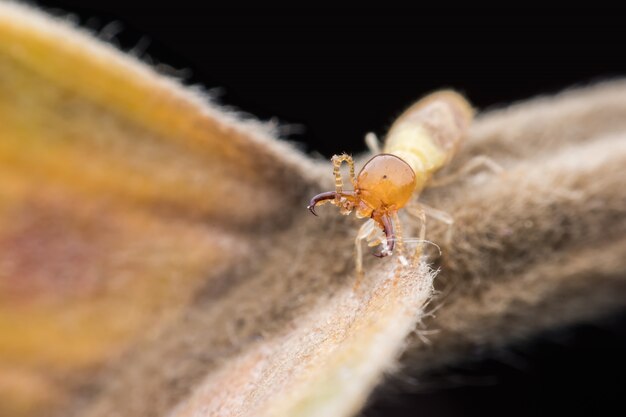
pixel 123 196
pixel 156 256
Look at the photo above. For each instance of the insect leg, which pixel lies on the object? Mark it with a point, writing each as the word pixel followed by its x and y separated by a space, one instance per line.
pixel 372 142
pixel 364 232
pixel 398 238
pixel 482 162
pixel 337 161
pixel 441 216
pixel 402 261
pixel 420 214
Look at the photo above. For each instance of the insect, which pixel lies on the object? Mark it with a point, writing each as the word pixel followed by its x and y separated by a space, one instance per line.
pixel 420 142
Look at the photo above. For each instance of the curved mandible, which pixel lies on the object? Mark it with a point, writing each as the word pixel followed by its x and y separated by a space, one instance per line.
pixel 387 225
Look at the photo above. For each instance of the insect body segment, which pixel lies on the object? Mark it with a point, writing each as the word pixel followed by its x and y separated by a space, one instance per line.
pixel 422 140
pixel 428 134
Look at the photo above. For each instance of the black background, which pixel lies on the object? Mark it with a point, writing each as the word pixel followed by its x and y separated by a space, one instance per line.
pixel 332 75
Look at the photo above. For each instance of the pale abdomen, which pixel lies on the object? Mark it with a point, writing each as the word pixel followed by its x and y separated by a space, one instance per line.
pixel 428 134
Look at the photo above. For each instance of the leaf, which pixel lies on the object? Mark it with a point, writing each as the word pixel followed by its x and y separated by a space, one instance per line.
pixel 543 245
pixel 125 199
pixel 156 256
pixel 121 195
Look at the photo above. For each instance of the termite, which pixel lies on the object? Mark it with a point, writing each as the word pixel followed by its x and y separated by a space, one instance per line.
pixel 420 142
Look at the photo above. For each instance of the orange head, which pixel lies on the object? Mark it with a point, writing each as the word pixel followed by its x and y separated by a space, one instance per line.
pixel 384 185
